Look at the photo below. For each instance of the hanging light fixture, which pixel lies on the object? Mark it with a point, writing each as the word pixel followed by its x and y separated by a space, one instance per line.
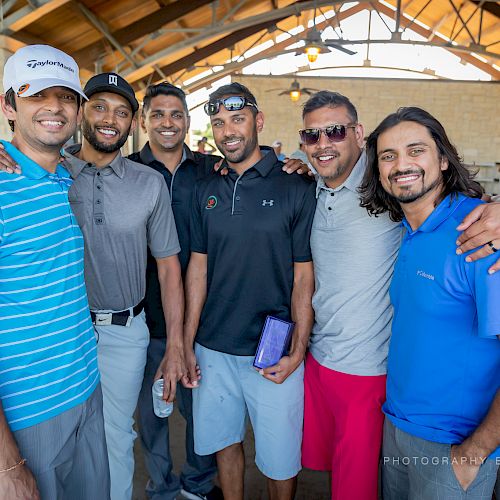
pixel 312 53
pixel 295 95
pixel 314 45
pixel 295 92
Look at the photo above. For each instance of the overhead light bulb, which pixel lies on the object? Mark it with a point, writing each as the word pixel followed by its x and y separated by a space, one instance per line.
pixel 312 53
pixel 295 95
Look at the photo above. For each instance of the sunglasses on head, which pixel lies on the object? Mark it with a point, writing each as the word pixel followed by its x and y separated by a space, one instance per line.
pixel 233 103
pixel 334 133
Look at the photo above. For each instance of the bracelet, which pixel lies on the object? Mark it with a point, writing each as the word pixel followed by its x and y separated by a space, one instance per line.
pixel 21 462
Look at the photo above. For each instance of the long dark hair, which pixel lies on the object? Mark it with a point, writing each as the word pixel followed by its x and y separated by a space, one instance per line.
pixel 456 178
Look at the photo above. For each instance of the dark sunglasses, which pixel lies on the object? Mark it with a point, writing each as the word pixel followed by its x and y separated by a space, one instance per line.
pixel 233 103
pixel 334 133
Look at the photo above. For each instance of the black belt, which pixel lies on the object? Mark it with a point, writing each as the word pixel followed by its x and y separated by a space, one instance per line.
pixel 120 318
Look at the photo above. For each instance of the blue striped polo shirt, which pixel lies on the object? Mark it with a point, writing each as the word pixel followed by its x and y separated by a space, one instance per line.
pixel 48 352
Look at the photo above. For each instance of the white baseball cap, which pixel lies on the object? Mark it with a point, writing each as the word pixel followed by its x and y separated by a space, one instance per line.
pixel 37 67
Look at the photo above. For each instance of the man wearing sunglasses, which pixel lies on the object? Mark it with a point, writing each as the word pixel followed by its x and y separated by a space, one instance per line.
pixel 250 258
pixel 353 256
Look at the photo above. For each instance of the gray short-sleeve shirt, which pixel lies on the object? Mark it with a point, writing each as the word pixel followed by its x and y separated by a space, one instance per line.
pixel 354 256
pixel 121 209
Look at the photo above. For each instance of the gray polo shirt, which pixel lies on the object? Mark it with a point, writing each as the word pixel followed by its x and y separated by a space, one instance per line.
pixel 121 209
pixel 354 256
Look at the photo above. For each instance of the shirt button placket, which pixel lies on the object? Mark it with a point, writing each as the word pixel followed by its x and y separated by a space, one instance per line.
pixel 329 208
pixel 98 208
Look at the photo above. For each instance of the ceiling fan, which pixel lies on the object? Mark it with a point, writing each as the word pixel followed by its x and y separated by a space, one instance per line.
pixel 315 45
pixel 295 91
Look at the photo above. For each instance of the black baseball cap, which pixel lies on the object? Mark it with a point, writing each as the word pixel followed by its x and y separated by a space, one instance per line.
pixel 111 82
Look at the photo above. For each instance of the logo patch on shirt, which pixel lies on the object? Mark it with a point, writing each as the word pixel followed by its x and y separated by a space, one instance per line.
pixel 211 202
pixel 267 203
pixel 425 275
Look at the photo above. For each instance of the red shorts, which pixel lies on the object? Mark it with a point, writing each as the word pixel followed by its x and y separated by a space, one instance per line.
pixel 343 423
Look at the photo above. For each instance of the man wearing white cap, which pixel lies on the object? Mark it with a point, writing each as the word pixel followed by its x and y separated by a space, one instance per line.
pixel 51 421
pixel 123 208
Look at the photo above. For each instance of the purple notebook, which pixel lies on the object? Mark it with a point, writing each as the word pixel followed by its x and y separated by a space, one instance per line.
pixel 274 342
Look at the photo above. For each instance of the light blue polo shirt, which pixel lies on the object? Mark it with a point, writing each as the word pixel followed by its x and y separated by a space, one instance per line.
pixel 48 358
pixel 444 355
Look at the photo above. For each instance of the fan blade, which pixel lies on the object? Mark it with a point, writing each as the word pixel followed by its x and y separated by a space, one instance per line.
pixel 332 45
pixel 284 92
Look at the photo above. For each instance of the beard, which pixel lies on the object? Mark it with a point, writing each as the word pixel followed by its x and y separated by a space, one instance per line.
pixel 239 156
pixel 90 135
pixel 409 196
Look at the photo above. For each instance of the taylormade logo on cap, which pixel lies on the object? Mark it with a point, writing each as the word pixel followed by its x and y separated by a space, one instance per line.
pixel 34 68
pixel 33 63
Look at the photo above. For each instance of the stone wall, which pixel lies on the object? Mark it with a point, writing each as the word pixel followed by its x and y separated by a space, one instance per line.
pixel 469 111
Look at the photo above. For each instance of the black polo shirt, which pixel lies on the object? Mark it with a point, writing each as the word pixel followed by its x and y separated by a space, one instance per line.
pixel 180 184
pixel 253 228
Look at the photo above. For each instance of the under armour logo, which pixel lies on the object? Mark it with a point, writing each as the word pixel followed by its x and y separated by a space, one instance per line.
pixel 113 80
pixel 267 203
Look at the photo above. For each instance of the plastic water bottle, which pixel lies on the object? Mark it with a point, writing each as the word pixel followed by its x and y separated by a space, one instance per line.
pixel 161 408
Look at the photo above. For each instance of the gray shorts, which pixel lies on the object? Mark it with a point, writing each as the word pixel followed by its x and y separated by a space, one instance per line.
pixel 67 453
pixel 230 391
pixel 416 469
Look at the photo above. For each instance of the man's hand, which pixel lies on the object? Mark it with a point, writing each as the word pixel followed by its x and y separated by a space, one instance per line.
pixel 279 372
pixel 172 369
pixel 218 165
pixel 464 467
pixel 481 227
pixel 292 165
pixel 18 483
pixel 7 164
pixel 193 374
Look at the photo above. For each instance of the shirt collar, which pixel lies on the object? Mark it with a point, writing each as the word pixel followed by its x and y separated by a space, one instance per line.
pixel 76 165
pixel 148 158
pixel 352 183
pixel 441 213
pixel 265 164
pixel 30 168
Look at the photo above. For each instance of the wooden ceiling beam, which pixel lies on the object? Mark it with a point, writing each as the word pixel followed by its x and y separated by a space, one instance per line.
pixel 218 30
pixel 140 28
pixel 25 16
pixel 487 68
pixel 277 48
pixel 492 7
pixel 213 48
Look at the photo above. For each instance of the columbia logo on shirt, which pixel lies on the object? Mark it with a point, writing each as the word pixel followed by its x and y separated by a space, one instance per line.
pixel 425 275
